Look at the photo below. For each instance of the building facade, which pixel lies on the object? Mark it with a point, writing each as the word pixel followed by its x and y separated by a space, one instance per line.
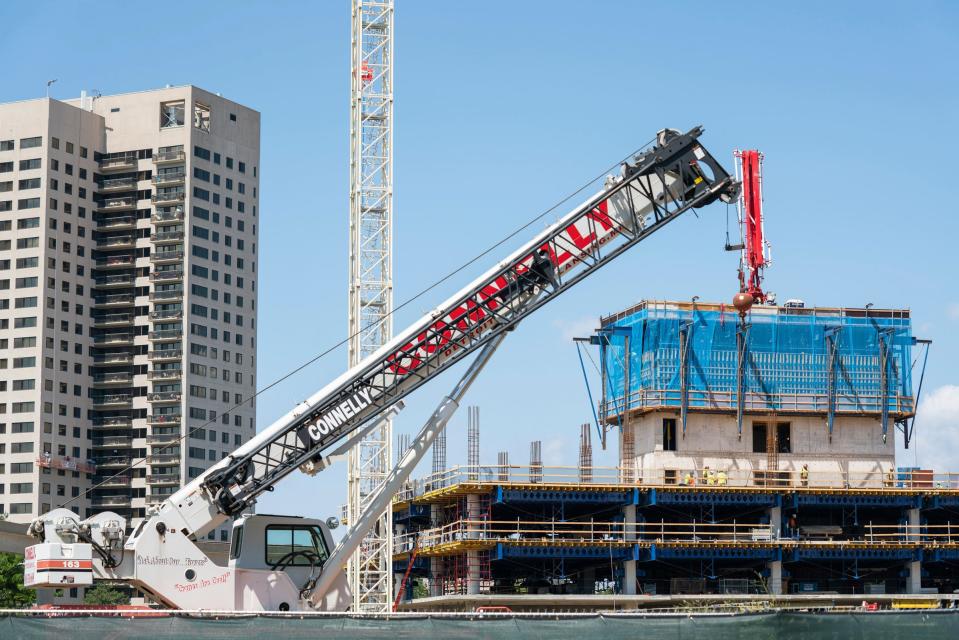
pixel 128 250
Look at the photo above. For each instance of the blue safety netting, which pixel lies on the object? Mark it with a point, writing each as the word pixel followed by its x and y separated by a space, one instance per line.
pixel 788 363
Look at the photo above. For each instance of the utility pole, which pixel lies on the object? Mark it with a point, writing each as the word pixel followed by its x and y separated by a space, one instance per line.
pixel 370 569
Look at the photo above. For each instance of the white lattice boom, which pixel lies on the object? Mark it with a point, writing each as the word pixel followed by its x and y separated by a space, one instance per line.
pixel 371 278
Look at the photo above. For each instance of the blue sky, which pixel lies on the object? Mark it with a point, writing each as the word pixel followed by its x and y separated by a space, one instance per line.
pixel 503 108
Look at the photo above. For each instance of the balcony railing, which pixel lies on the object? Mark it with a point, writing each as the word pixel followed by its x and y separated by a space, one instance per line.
pixel 113 378
pixel 118 184
pixel 114 262
pixel 118 164
pixel 163 478
pixel 166 276
pixel 113 338
pixel 176 177
pixel 115 299
pixel 166 354
pixel 166 256
pixel 113 319
pixel 164 420
pixel 113 441
pixel 115 400
pixel 112 481
pixel 175 294
pixel 171 197
pixel 164 396
pixel 115 241
pixel 110 501
pixel 163 438
pixel 168 216
pixel 119 280
pixel 166 236
pixel 115 461
pixel 166 334
pixel 116 222
pixel 117 204
pixel 113 423
pixel 173 314
pixel 163 458
pixel 165 374
pixel 165 157
pixel 113 358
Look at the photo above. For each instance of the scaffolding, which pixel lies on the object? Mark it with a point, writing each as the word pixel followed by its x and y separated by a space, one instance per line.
pixel 690 356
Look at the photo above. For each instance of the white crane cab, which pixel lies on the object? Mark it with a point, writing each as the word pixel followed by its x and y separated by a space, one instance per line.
pixel 276 560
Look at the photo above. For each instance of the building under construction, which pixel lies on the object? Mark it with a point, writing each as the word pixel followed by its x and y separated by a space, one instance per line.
pixel 756 455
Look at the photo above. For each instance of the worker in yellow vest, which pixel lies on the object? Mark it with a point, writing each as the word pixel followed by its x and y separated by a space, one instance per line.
pixel 804 475
pixel 721 478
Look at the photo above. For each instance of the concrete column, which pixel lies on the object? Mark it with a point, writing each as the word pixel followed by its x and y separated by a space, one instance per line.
pixel 629 566
pixel 399 529
pixel 915 567
pixel 473 533
pixel 436 563
pixel 775 581
pixel 776 522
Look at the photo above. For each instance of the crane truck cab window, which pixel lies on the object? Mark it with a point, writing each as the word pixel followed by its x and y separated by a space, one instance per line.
pixel 295 545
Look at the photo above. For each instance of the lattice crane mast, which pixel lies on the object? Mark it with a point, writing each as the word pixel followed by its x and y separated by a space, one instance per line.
pixel 277 562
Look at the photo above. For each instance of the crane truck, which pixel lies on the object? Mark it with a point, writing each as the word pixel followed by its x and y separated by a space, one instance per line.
pixel 285 563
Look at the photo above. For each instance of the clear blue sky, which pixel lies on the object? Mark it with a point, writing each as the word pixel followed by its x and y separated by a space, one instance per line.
pixel 504 107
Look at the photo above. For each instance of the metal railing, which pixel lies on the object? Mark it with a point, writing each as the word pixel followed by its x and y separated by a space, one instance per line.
pixel 169 197
pixel 117 298
pixel 113 441
pixel 165 354
pixel 114 164
pixel 118 183
pixel 163 478
pixel 160 438
pixel 113 358
pixel 174 294
pixel 166 236
pixel 118 221
pixel 166 334
pixel 163 256
pixel 120 279
pixel 115 261
pixel 168 178
pixel 113 204
pixel 168 216
pixel 165 374
pixel 115 241
pixel 113 338
pixel 169 156
pixel 110 501
pixel 115 399
pixel 165 419
pixel 113 318
pixel 685 478
pixel 162 276
pixel 108 423
pixel 609 533
pixel 174 314
pixel 164 396
pixel 114 461
pixel 112 378
pixel 163 458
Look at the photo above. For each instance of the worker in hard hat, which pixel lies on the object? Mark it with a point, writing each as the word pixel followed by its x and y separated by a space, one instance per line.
pixel 804 475
pixel 721 478
pixel 710 477
pixel 689 479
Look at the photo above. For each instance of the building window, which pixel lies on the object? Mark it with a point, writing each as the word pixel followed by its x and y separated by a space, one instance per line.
pixel 784 437
pixel 759 437
pixel 29 143
pixel 669 434
pixel 171 114
pixel 201 116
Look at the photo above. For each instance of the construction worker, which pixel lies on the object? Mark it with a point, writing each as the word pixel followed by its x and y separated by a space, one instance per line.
pixel 804 475
pixel 707 475
pixel 710 477
pixel 890 478
pixel 689 479
pixel 721 478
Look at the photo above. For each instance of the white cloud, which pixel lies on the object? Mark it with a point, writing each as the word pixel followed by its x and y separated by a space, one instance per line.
pixel 579 328
pixel 937 431
pixel 953 311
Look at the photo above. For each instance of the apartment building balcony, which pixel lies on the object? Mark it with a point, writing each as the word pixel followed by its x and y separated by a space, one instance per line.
pixel 121 422
pixel 162 316
pixel 169 157
pixel 115 262
pixel 165 374
pixel 166 296
pixel 126 203
pixel 114 462
pixel 114 281
pixel 117 184
pixel 113 320
pixel 108 379
pixel 166 257
pixel 171 178
pixel 165 237
pixel 112 358
pixel 166 335
pixel 116 242
pixel 113 401
pixel 165 355
pixel 113 339
pixel 163 438
pixel 164 198
pixel 122 163
pixel 112 442
pixel 168 217
pixel 163 397
pixel 174 275
pixel 164 458
pixel 163 478
pixel 164 420
pixel 112 482
pixel 116 223
pixel 110 501
pixel 113 300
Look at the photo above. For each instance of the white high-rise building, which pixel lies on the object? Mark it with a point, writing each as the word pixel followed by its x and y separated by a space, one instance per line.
pixel 128 263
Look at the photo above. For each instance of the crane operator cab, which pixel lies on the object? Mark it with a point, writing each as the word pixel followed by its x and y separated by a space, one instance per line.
pixel 277 559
